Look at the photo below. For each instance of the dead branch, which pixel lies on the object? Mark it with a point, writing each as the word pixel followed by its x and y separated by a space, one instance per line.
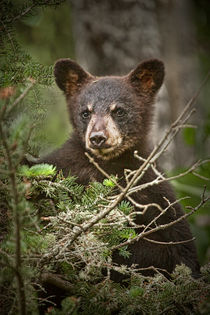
pixel 134 178
pixel 136 204
pixel 163 226
pixel 57 281
pixel 161 179
pixel 168 243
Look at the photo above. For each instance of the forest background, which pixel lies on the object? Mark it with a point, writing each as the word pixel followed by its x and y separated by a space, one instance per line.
pixel 111 37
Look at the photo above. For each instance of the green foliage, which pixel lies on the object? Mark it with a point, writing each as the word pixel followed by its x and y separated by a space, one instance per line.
pixel 82 263
pixel 69 306
pixel 123 251
pixel 21 84
pixel 127 233
pixel 41 211
pixel 19 69
pixel 136 291
pixel 43 170
pixel 143 296
pixel 108 182
pixel 125 207
pixel 47 22
pixel 16 65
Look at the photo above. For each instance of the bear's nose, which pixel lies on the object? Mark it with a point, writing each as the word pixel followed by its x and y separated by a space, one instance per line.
pixel 97 139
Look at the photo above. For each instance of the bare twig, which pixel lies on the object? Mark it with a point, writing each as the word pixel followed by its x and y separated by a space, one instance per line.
pixel 134 178
pixel 159 180
pixel 136 204
pixel 163 226
pixel 132 269
pixel 200 176
pixel 202 202
pixel 155 153
pixel 91 159
pixel 168 243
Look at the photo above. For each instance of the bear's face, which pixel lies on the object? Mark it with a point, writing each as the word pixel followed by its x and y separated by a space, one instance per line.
pixel 107 116
pixel 110 114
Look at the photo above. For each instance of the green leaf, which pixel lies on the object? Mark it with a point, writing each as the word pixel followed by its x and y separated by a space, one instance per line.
pixel 43 170
pixel 108 183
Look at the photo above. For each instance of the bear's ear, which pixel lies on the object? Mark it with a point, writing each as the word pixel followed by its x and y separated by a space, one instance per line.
pixel 69 76
pixel 148 76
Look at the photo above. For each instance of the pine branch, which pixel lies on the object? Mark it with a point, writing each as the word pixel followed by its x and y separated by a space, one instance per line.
pixel 22 13
pixel 15 197
pixel 22 96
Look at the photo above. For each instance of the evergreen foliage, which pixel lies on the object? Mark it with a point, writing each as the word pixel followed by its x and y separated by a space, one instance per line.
pixel 41 212
pixel 51 210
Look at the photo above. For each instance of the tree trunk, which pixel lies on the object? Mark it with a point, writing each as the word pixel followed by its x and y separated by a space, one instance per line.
pixel 181 61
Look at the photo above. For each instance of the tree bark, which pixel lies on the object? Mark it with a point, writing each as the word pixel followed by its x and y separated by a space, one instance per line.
pixel 179 50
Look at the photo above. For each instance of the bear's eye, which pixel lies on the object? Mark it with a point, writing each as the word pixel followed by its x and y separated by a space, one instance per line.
pixel 119 112
pixel 85 114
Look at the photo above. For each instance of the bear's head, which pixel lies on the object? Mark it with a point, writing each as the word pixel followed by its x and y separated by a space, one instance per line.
pixel 110 114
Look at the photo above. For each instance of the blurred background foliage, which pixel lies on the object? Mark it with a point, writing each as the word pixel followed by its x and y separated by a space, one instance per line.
pixel 47 35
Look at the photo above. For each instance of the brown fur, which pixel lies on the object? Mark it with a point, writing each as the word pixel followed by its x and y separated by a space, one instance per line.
pixel 133 97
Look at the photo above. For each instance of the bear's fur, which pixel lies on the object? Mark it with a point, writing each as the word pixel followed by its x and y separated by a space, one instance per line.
pixel 111 117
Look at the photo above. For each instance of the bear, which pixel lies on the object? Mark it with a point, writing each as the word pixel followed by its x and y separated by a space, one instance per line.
pixel 111 118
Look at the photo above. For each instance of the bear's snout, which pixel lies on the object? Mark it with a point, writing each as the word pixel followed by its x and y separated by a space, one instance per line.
pixel 102 136
pixel 98 139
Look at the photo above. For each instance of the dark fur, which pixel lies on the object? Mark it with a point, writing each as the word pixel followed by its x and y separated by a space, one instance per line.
pixel 135 93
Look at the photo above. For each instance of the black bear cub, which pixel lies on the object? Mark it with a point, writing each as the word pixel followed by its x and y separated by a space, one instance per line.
pixel 111 117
